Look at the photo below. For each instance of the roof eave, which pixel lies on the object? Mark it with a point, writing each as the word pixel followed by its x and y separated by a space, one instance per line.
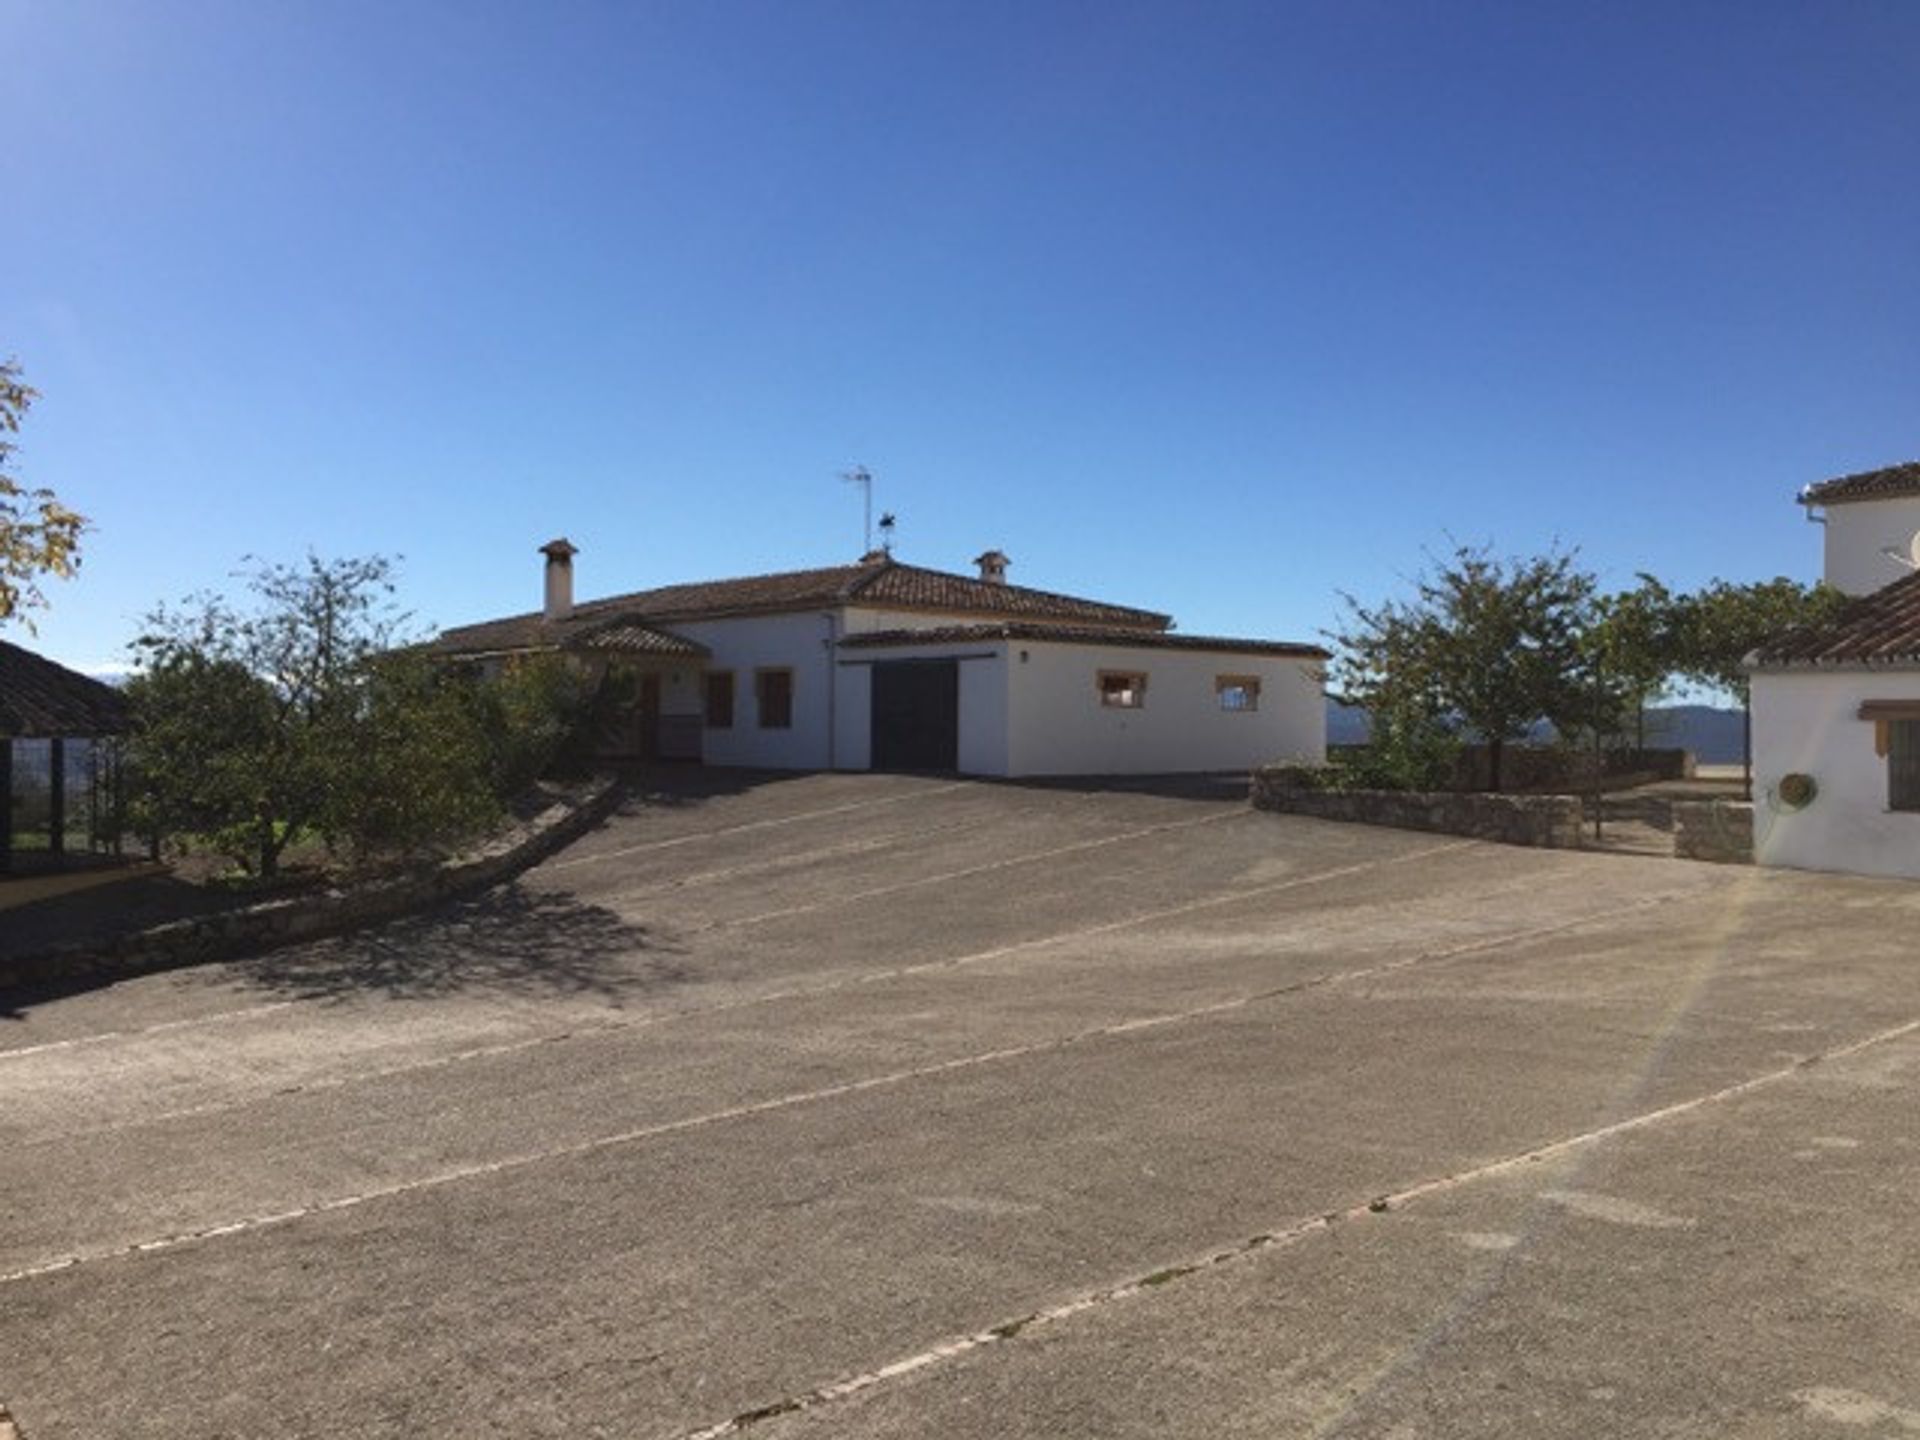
pixel 1754 665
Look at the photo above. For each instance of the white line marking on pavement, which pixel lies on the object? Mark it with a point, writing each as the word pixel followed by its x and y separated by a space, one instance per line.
pixel 599 1029
pixel 1279 1237
pixel 189 1023
pixel 1077 847
pixel 247 1013
pixel 792 1100
pixel 793 862
pixel 746 825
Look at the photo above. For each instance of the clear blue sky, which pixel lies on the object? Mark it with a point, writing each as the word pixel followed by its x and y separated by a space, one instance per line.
pixel 1216 308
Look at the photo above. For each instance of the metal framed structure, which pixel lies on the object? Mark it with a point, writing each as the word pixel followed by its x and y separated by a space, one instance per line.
pixel 62 770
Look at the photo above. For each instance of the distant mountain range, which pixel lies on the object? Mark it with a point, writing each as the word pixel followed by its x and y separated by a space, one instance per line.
pixel 1712 734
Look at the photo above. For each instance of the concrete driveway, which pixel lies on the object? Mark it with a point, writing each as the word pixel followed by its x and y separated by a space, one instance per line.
pixel 863 1106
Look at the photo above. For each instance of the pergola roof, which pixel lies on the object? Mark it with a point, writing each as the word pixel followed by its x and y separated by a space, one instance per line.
pixel 39 699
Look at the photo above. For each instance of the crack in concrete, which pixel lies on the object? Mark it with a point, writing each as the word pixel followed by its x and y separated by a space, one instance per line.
pixel 1115 1030
pixel 1277 1238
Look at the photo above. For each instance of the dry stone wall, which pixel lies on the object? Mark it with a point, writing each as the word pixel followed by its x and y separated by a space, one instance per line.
pixel 1718 830
pixel 1550 821
pixel 307 917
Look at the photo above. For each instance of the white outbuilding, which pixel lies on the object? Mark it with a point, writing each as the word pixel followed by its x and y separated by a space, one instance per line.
pixel 1836 710
pixel 880 665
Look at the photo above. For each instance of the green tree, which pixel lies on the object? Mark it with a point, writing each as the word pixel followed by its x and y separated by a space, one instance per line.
pixel 1384 665
pixel 205 724
pixel 1718 626
pixel 38 535
pixel 295 717
pixel 1633 648
pixel 408 764
pixel 1495 645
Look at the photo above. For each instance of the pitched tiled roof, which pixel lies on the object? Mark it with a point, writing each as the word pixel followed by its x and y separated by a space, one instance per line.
pixel 909 587
pixel 882 583
pixel 39 698
pixel 1080 635
pixel 1878 629
pixel 627 637
pixel 1888 483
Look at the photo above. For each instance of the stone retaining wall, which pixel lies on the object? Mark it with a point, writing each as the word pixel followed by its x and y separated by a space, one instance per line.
pixel 1542 767
pixel 330 912
pixel 1719 830
pixel 1552 821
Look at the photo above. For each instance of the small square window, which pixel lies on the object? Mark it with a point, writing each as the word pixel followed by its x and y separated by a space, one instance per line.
pixel 1237 692
pixel 1123 689
pixel 773 695
pixel 719 699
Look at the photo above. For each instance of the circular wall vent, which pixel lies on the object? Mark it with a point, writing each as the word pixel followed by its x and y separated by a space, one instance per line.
pixel 1796 791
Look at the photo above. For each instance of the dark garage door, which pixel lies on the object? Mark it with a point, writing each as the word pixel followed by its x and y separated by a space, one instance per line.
pixel 916 715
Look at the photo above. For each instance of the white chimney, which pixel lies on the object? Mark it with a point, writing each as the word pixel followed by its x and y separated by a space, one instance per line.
pixel 993 567
pixel 559 555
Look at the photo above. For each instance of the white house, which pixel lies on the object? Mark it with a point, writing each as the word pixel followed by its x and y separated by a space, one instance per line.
pixel 1836 710
pixel 885 666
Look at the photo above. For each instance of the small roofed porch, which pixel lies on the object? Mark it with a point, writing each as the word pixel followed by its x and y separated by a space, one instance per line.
pixel 648 696
pixel 62 784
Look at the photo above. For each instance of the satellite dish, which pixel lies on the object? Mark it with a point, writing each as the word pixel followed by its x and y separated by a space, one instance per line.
pixel 1907 554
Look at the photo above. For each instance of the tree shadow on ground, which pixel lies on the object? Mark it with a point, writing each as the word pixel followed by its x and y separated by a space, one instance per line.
pixel 509 941
pixel 141 899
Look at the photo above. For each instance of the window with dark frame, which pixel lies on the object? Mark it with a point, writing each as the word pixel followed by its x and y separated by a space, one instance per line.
pixel 1123 689
pixel 1903 764
pixel 773 697
pixel 719 699
pixel 1238 692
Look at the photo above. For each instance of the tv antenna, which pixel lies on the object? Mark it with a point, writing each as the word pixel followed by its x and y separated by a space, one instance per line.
pixel 861 476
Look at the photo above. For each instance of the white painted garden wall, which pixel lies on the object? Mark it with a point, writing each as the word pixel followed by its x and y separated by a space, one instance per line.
pixel 1057 725
pixel 1858 531
pixel 1806 722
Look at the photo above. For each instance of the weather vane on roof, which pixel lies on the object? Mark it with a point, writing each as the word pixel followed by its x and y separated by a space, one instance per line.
pixel 863 477
pixel 886 532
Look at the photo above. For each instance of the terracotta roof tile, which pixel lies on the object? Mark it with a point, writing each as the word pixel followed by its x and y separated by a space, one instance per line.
pixel 883 584
pixel 1080 635
pixel 39 698
pixel 1878 629
pixel 911 587
pixel 1888 483
pixel 626 637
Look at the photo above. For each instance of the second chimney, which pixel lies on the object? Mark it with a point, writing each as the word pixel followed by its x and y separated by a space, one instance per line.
pixel 993 567
pixel 559 553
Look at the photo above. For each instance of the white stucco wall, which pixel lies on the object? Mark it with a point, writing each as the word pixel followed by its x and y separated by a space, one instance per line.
pixel 742 645
pixel 1057 725
pixel 680 688
pixel 1037 716
pixel 1807 722
pixel 983 704
pixel 1857 532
